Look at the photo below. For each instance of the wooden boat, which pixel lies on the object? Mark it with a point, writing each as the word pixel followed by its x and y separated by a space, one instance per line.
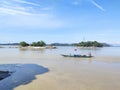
pixel 77 56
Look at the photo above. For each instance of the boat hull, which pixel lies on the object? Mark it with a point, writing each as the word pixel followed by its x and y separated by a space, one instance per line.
pixel 77 56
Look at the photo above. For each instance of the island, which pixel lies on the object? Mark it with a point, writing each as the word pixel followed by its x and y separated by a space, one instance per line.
pixel 92 44
pixel 36 45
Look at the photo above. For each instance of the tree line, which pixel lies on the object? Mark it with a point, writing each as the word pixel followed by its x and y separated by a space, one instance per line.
pixel 90 44
pixel 39 44
pixel 81 44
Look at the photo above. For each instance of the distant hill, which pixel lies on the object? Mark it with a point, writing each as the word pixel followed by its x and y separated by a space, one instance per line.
pixel 106 45
pixel 63 44
pixel 115 45
pixel 10 44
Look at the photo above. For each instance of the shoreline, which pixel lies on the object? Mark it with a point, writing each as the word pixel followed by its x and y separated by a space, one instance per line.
pixel 36 47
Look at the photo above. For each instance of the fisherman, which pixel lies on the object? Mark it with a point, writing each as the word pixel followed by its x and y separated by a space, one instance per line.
pixel 90 54
pixel 75 52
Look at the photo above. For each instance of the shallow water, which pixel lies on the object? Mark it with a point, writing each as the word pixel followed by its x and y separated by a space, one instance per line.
pixel 99 73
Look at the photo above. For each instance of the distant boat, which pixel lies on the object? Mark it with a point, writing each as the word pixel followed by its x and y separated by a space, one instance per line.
pixel 78 56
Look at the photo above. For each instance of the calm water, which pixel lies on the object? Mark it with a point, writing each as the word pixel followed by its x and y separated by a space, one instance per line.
pixel 106 51
pixel 99 73
pixel 106 54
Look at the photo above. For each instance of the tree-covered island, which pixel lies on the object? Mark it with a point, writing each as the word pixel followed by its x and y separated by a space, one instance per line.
pixel 91 44
pixel 35 44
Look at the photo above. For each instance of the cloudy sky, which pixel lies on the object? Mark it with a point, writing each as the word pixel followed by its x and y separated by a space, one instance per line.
pixel 61 21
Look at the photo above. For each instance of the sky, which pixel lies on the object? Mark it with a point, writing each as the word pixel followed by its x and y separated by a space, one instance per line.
pixel 63 21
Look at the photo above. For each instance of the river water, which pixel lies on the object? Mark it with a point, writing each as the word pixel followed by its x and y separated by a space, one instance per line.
pixel 102 72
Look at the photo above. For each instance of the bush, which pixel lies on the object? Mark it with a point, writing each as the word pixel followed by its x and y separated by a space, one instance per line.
pixel 23 44
pixel 39 43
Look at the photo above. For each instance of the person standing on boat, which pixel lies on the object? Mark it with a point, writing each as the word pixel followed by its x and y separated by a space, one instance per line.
pixel 75 52
pixel 89 54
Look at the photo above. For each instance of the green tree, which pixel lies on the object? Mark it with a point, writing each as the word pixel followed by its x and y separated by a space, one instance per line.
pixel 39 43
pixel 90 44
pixel 34 44
pixel 23 44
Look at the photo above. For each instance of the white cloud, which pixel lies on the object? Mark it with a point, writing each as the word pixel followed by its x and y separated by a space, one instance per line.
pixel 79 2
pixel 28 22
pixel 17 15
pixel 11 8
pixel 7 11
pixel 26 2
pixel 97 5
pixel 18 7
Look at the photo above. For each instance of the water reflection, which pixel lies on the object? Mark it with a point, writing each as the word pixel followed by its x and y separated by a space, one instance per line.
pixel 32 49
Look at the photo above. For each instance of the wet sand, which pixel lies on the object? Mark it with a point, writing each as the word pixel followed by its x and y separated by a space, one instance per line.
pixel 98 73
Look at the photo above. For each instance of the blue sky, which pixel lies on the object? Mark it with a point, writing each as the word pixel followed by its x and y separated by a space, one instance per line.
pixel 64 21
